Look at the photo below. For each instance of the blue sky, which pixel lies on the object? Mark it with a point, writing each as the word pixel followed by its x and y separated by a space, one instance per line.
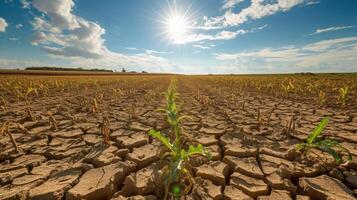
pixel 183 36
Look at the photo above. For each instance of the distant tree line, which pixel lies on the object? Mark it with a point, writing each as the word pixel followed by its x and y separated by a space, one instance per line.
pixel 67 69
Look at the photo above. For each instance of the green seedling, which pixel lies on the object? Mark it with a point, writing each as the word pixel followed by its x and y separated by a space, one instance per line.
pixel 327 145
pixel 175 174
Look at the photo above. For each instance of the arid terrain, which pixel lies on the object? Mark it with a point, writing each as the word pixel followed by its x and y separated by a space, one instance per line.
pixel 86 137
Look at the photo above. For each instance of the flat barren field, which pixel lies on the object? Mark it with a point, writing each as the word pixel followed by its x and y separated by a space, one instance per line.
pixel 153 137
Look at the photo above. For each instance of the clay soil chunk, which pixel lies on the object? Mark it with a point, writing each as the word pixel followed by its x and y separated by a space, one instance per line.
pixel 132 141
pixel 7 177
pixel 102 155
pixel 270 164
pixel 136 197
pixel 142 182
pixel 325 187
pixel 212 131
pixel 144 155
pixel 56 186
pixel 207 140
pixel 100 183
pixel 233 193
pixel 277 195
pixel 68 134
pixel 31 160
pixel 246 166
pixel 213 190
pixel 137 126
pixel 91 139
pixel 19 187
pixel 47 168
pixel 277 182
pixel 240 151
pixel 249 185
pixel 351 178
pixel 302 197
pixel 217 172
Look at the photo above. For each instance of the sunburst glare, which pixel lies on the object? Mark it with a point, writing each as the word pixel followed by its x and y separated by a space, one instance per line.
pixel 177 23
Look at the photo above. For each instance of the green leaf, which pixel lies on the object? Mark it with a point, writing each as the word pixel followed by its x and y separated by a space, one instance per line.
pixel 198 150
pixel 331 152
pixel 345 150
pixel 184 154
pixel 163 139
pixel 318 130
pixel 301 146
pixel 176 190
pixel 328 142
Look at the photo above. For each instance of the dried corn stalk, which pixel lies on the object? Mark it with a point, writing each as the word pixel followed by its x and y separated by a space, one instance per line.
pixel 52 121
pixel 5 131
pixel 104 129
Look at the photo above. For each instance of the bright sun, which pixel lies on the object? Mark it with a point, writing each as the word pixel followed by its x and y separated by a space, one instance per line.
pixel 177 27
pixel 177 23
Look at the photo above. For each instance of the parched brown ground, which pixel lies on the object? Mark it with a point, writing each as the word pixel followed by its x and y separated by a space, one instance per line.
pixel 253 157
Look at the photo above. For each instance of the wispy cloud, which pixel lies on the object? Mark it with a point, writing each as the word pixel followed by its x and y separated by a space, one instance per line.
pixel 329 29
pixel 312 3
pixel 25 4
pixel 3 24
pixel 257 10
pixel 13 39
pixel 131 48
pixel 201 46
pixel 148 51
pixel 64 35
pixel 198 37
pixel 18 26
pixel 327 55
pixel 228 4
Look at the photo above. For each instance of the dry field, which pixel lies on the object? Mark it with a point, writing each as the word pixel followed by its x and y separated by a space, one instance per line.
pixel 87 137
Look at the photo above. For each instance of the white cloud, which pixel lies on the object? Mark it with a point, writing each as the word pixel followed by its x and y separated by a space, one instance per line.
pixel 223 35
pixel 3 24
pixel 148 51
pixel 59 12
pixel 13 39
pixel 131 48
pixel 201 46
pixel 330 45
pixel 260 27
pixel 207 28
pixel 18 26
pixel 327 55
pixel 64 35
pixel 228 4
pixel 329 29
pixel 257 9
pixel 25 4
pixel 312 3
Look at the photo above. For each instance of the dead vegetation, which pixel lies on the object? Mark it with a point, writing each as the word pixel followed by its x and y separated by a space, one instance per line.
pixel 91 134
